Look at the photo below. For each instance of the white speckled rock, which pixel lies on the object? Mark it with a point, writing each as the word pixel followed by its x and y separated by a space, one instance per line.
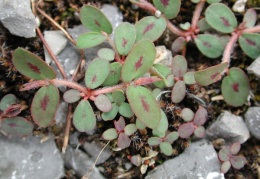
pixel 255 67
pixel 199 160
pixel 252 118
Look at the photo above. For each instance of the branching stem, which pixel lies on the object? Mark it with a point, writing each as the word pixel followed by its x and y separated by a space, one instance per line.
pixel 196 15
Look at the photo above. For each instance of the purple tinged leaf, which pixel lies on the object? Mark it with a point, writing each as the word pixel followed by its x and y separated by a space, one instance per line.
pixel 250 18
pixel 130 129
pixel 250 44
pixel 90 39
pixel 224 154
pixel 186 130
pixel 44 105
pixel 103 103
pixel 120 124
pixel 154 141
pixel 238 162
pixel 7 101
pixel 179 66
pixel 17 126
pixel 110 134
pixel 187 114
pixel 199 132
pixel 71 96
pixel 225 166
pixel 13 110
pixel 123 141
pixel 171 137
pixel 178 92
pixel 200 116
pixel 170 8
pixel 166 148
pixel 234 148
pixel 136 160
pixel 178 44
pixel 108 116
pixel 31 65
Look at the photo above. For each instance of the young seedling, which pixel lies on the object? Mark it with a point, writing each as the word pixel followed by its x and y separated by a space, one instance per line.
pixel 227 156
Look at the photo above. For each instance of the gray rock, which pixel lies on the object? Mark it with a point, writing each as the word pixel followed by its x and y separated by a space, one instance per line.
pixel 29 158
pixel 61 114
pixel 56 40
pixel 229 127
pixel 93 149
pixel 80 163
pixel 252 119
pixel 199 160
pixel 17 17
pixel 255 67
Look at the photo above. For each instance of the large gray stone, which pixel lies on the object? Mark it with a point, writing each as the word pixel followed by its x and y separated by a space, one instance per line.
pixel 229 127
pixel 29 158
pixel 199 160
pixel 80 162
pixel 255 67
pixel 252 119
pixel 17 17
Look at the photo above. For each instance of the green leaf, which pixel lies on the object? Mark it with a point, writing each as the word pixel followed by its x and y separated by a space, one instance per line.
pixel 189 78
pixel 108 116
pixel 195 1
pixel 225 166
pixel 110 134
pixel 150 28
pixel 235 87
pixel 162 127
pixel 139 60
pixel 178 92
pixel 44 105
pixel 203 25
pixel 164 72
pixel 209 45
pixel 130 129
pixel 71 96
pixel 170 80
pixel 171 137
pixel 154 141
pixel 166 148
pixel 250 18
pixel 90 39
pixel 114 74
pixel 7 101
pixel 185 26
pixel 210 75
pixel 16 126
pixel 32 66
pixel 221 18
pixel 170 8
pixel 84 118
pixel 118 96
pixel 94 19
pixel 235 148
pixel 186 130
pixel 139 125
pixel 125 110
pixel 103 103
pixel 144 105
pixel 224 154
pixel 213 1
pixel 179 66
pixel 238 162
pixel 250 44
pixel 125 38
pixel 106 53
pixel 96 73
pixel 187 114
pixel 199 132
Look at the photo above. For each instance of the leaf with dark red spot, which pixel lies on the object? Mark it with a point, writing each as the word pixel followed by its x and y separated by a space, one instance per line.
pixel 44 105
pixel 94 19
pixel 170 8
pixel 250 44
pixel 144 106
pixel 31 65
pixel 210 75
pixel 150 28
pixel 125 35
pixel 235 87
pixel 221 18
pixel 139 60
pixel 84 118
pixel 90 39
pixel 179 66
pixel 250 18
pixel 114 74
pixel 16 126
pixel 209 45
pixel 97 72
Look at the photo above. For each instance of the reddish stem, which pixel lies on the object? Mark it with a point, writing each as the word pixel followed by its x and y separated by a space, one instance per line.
pixel 176 30
pixel 196 15
pixel 145 5
pixel 251 30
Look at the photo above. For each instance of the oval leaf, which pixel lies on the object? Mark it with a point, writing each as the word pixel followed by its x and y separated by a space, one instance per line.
pixel 103 103
pixel 213 1
pixel 125 38
pixel 221 18
pixel 106 53
pixel 94 19
pixel 32 66
pixel 185 130
pixel 250 18
pixel 178 44
pixel 139 60
pixel 235 87
pixel 162 127
pixel 44 105
pixel 96 73
pixel 125 110
pixel 123 141
pixel 136 160
pixel 120 124
pixel 238 162
pixel 170 8
pixel 178 92
pixel 139 125
pixel 199 132
pixel 225 166
pixel 150 28
pixel 84 118
pixel 224 154
pixel 154 141
pixel 90 39
pixel 250 44
pixel 173 136
pixel 234 148
pixel 144 106
pixel 71 96
pixel 187 114
pixel 179 66
pixel 189 78
pixel 130 129
pixel 16 126
pixel 108 116
pixel 118 96
pixel 203 25
pixel 114 74
pixel 7 101
pixel 166 148
pixel 209 45
pixel 210 75
pixel 200 116
pixel 164 72
pixel 110 134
